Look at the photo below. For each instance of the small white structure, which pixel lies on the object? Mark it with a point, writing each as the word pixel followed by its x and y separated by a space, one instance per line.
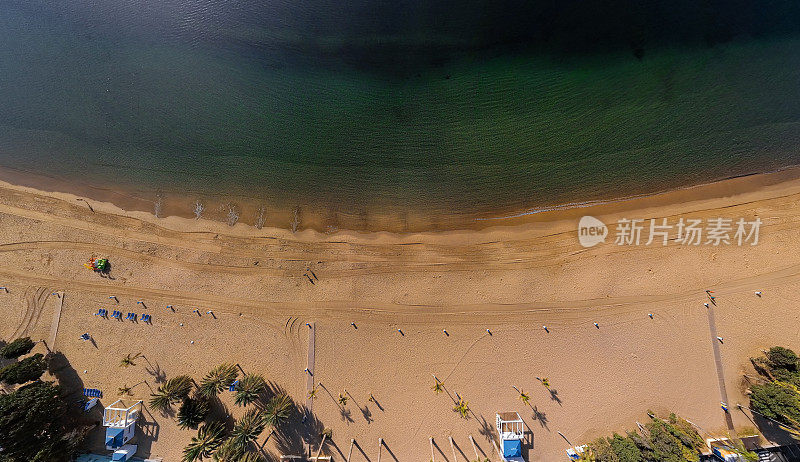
pixel 124 454
pixel 511 430
pixel 576 452
pixel 120 422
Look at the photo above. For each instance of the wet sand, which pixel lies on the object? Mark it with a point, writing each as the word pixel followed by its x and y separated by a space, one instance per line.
pixel 329 218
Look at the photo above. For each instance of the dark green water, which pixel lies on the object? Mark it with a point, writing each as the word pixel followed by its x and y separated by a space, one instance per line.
pixel 383 112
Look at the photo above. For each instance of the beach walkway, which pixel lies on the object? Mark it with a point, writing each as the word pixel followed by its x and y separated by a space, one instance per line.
pixel 56 321
pixel 312 329
pixel 723 393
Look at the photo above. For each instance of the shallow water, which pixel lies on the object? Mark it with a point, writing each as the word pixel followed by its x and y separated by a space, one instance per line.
pixel 317 107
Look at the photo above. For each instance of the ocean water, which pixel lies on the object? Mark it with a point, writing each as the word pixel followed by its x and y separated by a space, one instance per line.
pixel 384 108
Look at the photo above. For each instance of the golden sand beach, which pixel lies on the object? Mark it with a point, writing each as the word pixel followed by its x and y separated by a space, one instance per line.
pixel 490 289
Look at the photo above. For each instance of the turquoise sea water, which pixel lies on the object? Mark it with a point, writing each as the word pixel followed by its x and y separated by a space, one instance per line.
pixel 202 108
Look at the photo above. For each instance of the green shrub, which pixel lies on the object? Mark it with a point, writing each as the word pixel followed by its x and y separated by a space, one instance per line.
pixel 17 348
pixel 671 440
pixel 27 370
pixel 777 400
pixel 782 358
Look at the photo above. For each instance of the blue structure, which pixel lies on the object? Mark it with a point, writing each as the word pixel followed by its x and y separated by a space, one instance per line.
pixel 92 393
pixel 120 422
pixel 511 430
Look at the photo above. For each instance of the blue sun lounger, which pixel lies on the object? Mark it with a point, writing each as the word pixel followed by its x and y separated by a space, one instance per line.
pixel 88 405
pixel 102 313
pixel 233 385
pixel 146 318
pixel 92 393
pixel 116 314
pixel 131 316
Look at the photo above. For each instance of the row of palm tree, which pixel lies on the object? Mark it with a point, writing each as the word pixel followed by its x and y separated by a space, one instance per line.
pixel 212 440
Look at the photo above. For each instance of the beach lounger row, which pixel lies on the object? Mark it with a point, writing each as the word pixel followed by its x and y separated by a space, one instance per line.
pixel 92 392
pixel 116 314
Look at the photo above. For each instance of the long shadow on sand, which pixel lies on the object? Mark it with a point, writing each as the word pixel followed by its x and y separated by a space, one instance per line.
pixel 302 434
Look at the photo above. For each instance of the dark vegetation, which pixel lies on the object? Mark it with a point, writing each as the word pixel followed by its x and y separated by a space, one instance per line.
pixel 777 394
pixel 36 423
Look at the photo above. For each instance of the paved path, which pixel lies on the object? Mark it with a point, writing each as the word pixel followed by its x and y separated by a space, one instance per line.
pixel 310 365
pixel 56 321
pixel 723 394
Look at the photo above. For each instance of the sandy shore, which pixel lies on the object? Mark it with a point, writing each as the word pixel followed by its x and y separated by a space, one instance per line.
pixel 510 279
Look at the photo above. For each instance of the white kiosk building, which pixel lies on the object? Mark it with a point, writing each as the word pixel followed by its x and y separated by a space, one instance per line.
pixel 120 421
pixel 511 430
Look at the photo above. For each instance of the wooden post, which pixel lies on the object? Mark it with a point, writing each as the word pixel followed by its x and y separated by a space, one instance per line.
pixel 321 445
pixel 471 440
pixel 433 454
pixel 380 448
pixel 350 452
pixel 453 447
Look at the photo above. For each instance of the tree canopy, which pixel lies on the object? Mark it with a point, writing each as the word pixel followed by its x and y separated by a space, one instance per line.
pixel 27 370
pixel 32 425
pixel 779 397
pixel 670 440
pixel 17 348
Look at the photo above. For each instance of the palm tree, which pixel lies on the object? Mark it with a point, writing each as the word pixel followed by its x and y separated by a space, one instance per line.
pixel 193 412
pixel 462 407
pixel 124 390
pixel 278 409
pixel 313 393
pixel 173 391
pixel 128 359
pixel 228 452
pixel 208 438
pixel 437 386
pixel 343 398
pixel 546 383
pixel 249 389
pixel 524 397
pixel 218 379
pixel 248 428
pixel 251 457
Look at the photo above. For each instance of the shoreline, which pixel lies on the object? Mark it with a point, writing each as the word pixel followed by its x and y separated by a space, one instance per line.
pixel 331 222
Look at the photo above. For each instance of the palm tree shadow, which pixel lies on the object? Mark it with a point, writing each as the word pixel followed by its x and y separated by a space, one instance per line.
pixel 486 430
pixel 364 410
pixel 302 429
pixel 159 376
pixel 367 414
pixel 346 415
pixel 554 395
pixel 540 416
